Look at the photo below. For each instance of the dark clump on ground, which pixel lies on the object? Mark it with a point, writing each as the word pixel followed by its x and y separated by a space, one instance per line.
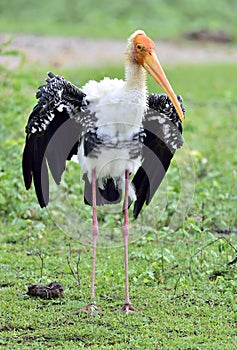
pixel 50 291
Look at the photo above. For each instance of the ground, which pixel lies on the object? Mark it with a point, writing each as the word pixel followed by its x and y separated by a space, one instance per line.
pixel 183 283
pixel 74 51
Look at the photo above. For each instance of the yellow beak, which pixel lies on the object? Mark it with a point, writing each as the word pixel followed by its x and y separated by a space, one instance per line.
pixel 152 66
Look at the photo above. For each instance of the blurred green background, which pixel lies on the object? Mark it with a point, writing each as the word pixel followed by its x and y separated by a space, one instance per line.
pixel 105 18
pixel 184 282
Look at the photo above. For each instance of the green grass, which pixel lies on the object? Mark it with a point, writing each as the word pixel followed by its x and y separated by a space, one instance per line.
pixel 88 18
pixel 183 282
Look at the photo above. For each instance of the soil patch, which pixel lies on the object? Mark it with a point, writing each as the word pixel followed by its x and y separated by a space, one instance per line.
pixel 73 51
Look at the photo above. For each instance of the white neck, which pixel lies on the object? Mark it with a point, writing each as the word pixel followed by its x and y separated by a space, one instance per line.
pixel 135 76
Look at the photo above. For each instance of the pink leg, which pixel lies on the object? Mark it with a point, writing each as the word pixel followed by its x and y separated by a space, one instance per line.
pixel 95 230
pixel 127 306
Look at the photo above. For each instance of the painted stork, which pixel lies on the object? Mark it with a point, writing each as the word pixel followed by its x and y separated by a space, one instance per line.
pixel 115 129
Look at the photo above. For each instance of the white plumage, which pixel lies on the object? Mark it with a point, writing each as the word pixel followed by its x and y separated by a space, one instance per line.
pixel 119 109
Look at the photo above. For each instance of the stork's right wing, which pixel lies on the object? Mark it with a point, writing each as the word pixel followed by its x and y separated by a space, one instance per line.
pixel 163 135
pixel 53 131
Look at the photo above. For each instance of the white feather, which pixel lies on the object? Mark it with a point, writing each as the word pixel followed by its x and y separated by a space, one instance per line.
pixel 119 112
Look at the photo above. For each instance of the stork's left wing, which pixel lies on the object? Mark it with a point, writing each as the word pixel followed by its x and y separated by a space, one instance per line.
pixel 53 131
pixel 163 135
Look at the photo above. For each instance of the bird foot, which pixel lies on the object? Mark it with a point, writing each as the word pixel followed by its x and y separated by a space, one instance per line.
pixel 127 307
pixel 92 308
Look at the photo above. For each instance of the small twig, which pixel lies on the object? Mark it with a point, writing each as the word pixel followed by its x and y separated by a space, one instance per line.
pixel 230 244
pixel 232 262
pixel 176 284
pixel 41 256
pixel 225 231
pixel 74 272
pixel 198 252
pixel 207 245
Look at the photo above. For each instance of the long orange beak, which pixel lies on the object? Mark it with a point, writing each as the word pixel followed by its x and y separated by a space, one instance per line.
pixel 152 66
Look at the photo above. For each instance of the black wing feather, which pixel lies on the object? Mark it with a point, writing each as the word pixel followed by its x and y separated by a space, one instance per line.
pixel 40 172
pixel 163 135
pixel 53 131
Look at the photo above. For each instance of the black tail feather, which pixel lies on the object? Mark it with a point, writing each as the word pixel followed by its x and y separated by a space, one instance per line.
pixel 110 194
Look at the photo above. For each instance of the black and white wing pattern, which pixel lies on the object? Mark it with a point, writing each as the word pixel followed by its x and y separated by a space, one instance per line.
pixel 52 133
pixel 163 135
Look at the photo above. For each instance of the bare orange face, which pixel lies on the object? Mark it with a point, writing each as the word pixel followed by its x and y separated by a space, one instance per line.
pixel 143 45
pixel 144 54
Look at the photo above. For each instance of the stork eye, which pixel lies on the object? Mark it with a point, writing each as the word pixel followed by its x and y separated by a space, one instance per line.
pixel 139 46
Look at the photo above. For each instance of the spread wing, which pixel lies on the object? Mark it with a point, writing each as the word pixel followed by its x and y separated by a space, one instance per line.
pixel 52 134
pixel 163 135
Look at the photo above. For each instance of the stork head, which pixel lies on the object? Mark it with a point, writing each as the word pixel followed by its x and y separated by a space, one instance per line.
pixel 142 52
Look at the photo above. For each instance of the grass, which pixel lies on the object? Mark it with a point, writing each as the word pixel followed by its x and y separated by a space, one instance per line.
pixel 161 19
pixel 183 281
